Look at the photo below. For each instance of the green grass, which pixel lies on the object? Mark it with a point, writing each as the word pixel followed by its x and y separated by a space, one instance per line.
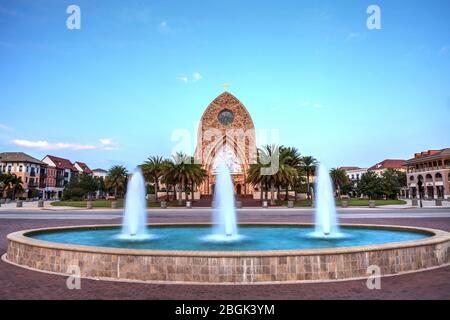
pixel 351 203
pixel 151 204
pixel 105 204
pixel 365 203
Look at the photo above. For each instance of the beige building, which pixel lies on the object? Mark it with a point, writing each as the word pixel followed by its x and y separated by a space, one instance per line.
pixel 226 133
pixel 432 167
pixel 31 170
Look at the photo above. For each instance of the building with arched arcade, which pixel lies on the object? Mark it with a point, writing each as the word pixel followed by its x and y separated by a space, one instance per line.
pixel 432 167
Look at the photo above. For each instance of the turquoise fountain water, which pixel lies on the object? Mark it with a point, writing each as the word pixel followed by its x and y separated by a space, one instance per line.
pixel 135 215
pixel 326 224
pixel 225 224
pixel 225 236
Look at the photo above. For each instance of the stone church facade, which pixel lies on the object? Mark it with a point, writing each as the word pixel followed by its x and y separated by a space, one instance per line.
pixel 226 133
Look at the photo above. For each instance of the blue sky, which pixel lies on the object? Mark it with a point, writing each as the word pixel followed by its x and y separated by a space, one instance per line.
pixel 115 91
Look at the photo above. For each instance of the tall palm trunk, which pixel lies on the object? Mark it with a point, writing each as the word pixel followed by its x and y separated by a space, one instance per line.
pixel 266 191
pixel 272 191
pixel 186 194
pixel 286 196
pixel 156 190
pixel 308 193
pixel 192 190
pixel 261 192
pixel 180 192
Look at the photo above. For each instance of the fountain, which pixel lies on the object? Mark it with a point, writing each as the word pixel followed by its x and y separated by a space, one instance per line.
pixel 188 252
pixel 325 214
pixel 225 226
pixel 135 216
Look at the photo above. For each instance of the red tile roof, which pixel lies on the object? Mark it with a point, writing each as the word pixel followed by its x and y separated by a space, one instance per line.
pixel 428 153
pixel 349 168
pixel 62 163
pixel 84 167
pixel 388 164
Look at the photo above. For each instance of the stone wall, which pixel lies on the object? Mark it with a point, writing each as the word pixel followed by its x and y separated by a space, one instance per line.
pixel 232 267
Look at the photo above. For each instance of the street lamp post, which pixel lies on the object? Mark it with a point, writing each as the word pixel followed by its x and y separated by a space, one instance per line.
pixel 420 183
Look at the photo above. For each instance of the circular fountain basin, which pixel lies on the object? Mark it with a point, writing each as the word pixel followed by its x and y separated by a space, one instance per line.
pixel 265 253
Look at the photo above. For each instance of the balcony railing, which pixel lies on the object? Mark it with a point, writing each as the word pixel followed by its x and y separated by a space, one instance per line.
pixel 414 170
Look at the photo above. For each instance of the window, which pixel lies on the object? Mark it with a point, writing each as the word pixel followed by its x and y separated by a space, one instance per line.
pixel 20 168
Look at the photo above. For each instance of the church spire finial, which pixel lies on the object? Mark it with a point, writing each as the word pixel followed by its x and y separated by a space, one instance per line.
pixel 226 86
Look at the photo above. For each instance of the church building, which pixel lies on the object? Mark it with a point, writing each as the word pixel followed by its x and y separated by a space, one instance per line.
pixel 226 133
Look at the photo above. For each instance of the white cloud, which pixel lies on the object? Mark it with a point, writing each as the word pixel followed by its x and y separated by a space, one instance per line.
pixel 163 27
pixel 105 144
pixel 197 76
pixel 184 79
pixel 108 144
pixel 5 127
pixel 45 145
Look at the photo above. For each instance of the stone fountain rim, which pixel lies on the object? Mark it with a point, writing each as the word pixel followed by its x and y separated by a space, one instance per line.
pixel 436 237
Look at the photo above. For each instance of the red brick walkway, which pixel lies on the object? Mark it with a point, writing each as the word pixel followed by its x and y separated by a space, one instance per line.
pixel 19 283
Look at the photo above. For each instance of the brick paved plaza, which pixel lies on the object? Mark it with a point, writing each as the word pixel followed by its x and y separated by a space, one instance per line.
pixel 19 283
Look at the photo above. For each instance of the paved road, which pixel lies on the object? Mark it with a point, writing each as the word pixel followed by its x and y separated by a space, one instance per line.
pixel 19 283
pixel 243 214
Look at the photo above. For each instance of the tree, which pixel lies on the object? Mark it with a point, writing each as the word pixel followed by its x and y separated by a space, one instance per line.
pixel 339 178
pixel 392 181
pixel 182 170
pixel 370 185
pixel 152 170
pixel 12 184
pixel 309 165
pixel 101 186
pixel 290 163
pixel 168 176
pixel 117 179
pixel 80 187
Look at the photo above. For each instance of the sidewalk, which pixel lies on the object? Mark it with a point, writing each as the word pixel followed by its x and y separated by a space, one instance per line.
pixel 33 205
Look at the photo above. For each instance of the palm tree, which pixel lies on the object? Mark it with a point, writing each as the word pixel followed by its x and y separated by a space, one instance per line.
pixel 339 178
pixel 254 175
pixel 167 171
pixel 152 171
pixel 181 172
pixel 289 163
pixel 309 165
pixel 116 178
pixel 12 184
pixel 196 175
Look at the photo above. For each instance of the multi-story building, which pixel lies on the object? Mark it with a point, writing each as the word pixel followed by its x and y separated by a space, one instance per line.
pixel 354 174
pixel 99 173
pixel 432 167
pixel 60 171
pixel 29 169
pixel 82 168
pixel 382 166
